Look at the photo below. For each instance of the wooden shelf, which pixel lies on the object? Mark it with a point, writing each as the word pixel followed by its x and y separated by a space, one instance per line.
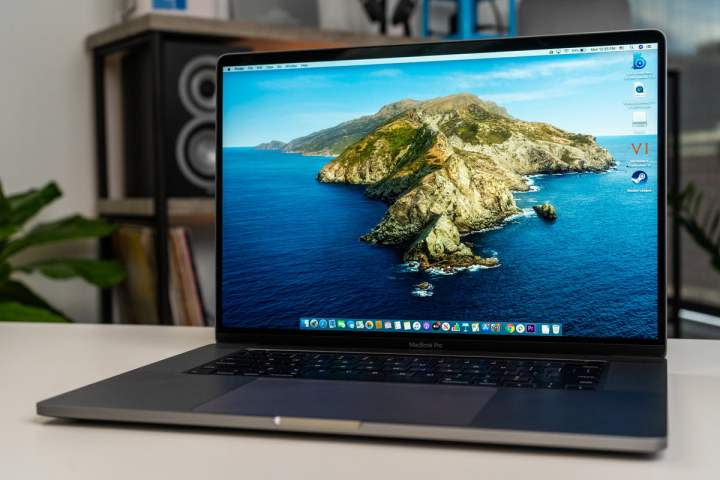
pixel 188 210
pixel 277 36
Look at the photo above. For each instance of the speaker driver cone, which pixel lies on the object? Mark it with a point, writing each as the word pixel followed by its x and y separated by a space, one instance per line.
pixel 196 85
pixel 195 152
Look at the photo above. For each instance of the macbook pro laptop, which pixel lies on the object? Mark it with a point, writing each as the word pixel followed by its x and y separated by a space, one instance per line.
pixel 447 241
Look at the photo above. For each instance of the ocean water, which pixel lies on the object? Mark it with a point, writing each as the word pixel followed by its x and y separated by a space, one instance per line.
pixel 292 249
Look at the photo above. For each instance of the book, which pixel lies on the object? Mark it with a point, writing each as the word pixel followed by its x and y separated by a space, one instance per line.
pixel 135 248
pixel 185 286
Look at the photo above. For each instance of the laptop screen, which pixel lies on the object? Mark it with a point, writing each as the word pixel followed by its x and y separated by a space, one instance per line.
pixel 508 193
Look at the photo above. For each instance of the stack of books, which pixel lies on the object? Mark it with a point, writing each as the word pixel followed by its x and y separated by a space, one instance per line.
pixel 137 300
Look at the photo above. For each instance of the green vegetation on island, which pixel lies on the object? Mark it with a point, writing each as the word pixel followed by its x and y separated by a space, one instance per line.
pixel 446 167
pixel 334 140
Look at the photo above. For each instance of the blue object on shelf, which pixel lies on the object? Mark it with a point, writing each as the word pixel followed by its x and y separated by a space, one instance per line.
pixel 467 20
pixel 169 4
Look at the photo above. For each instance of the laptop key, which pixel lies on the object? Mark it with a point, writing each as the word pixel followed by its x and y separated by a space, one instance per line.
pixel 488 372
pixel 226 371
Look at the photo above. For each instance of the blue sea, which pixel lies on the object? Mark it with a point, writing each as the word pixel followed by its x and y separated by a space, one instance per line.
pixel 292 249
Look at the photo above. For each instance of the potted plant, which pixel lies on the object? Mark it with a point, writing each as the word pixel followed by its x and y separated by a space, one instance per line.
pixel 687 206
pixel 17 301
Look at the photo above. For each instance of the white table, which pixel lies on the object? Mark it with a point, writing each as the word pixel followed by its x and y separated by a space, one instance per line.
pixel 38 361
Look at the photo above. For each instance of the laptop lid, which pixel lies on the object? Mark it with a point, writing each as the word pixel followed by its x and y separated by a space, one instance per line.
pixel 503 195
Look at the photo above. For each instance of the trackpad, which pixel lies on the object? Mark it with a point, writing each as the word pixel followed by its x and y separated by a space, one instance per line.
pixel 370 402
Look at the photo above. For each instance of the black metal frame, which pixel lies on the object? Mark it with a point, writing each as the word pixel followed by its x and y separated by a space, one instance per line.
pixel 576 345
pixel 159 219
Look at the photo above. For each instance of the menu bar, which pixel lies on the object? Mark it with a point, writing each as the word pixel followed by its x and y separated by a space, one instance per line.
pixel 432 326
pixel 442 58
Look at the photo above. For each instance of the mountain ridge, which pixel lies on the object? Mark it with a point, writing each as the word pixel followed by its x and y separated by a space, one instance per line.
pixel 459 159
pixel 333 140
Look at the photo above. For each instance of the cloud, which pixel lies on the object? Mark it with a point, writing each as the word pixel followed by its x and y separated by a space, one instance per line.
pixel 562 88
pixel 544 69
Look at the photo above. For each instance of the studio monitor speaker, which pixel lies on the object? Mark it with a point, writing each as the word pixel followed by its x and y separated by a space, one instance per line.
pixel 176 123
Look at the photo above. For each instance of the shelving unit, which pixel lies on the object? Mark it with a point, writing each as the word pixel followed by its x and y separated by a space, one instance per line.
pixel 159 211
pixel 179 210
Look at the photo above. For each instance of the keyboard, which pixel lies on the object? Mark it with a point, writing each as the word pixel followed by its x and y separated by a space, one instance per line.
pixel 448 370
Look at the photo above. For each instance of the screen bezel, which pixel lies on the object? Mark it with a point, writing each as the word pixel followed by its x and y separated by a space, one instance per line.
pixel 500 343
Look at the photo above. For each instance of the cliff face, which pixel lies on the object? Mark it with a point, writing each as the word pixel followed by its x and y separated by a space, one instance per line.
pixel 454 159
pixel 438 245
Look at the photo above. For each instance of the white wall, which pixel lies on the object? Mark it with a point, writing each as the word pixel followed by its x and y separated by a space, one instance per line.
pixel 46 120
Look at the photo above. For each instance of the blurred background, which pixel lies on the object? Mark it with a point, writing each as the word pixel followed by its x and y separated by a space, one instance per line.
pixel 113 101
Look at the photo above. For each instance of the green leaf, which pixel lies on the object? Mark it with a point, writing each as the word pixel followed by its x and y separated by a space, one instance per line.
pixel 17 312
pixel 5 270
pixel 15 291
pixel 69 228
pixel 103 273
pixel 4 207
pixel 24 206
pixel 715 224
pixel 6 231
pixel 697 203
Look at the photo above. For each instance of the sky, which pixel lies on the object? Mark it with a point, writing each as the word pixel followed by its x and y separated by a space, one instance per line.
pixel 588 93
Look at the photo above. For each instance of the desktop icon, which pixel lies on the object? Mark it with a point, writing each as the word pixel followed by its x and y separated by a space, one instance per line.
pixel 510 328
pixel 331 323
pixel 314 323
pixel 455 327
pixel 639 61
pixel 638 147
pixel 398 325
pixel 437 325
pixel 520 328
pixel 530 328
pixel 639 89
pixel 351 323
pixel 323 323
pixel 495 327
pixel 426 325
pixel 306 322
pixel 388 325
pixel 545 329
pixel 378 324
pixel 475 327
pixel 416 326
pixel 639 177
pixel 485 327
pixel 369 324
pixel 359 324
pixel 341 323
pixel 639 119
pixel 465 327
pixel 445 326
pixel 556 329
pixel 407 325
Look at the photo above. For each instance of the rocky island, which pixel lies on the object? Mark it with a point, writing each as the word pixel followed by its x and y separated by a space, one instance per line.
pixel 446 167
pixel 546 211
pixel 438 246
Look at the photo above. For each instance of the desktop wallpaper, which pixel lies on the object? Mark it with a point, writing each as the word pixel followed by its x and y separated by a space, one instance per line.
pixel 496 189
